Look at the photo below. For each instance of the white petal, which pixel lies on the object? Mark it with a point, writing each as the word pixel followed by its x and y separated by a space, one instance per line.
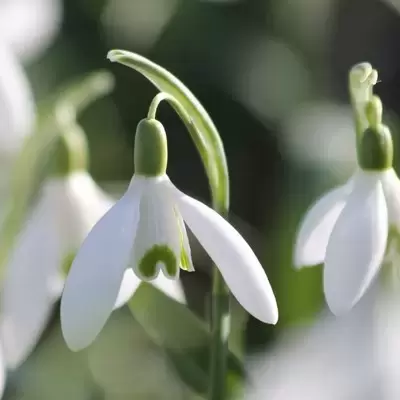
pixel 238 264
pixel 171 287
pixel 81 204
pixel 357 244
pixel 317 226
pixel 129 284
pixel 32 283
pixel 16 104
pixel 391 189
pixel 29 26
pixel 158 226
pixel 95 278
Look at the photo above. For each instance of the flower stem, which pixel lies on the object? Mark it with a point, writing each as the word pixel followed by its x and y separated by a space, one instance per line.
pixel 220 327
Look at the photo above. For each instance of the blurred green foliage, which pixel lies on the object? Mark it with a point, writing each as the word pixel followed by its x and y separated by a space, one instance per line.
pixel 254 65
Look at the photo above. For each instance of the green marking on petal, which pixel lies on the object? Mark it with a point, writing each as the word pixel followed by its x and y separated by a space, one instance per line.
pixel 67 263
pixel 158 254
pixel 185 263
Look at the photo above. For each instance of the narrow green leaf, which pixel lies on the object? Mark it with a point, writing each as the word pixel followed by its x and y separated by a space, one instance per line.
pixel 28 170
pixel 195 117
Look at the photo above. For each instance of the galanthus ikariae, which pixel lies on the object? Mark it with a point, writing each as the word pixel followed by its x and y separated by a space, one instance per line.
pixel 349 229
pixel 145 233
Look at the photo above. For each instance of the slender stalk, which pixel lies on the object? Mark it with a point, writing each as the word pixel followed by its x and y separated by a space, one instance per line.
pixel 220 318
pixel 220 327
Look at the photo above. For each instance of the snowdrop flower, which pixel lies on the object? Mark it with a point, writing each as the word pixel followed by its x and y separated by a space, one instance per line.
pixel 68 205
pixel 16 104
pixel 145 233
pixel 348 228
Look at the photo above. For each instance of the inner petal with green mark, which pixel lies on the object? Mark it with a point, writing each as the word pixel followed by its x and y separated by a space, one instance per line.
pixel 157 245
pixel 158 257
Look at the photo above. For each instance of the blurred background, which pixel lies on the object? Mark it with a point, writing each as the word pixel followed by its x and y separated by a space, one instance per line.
pixel 273 76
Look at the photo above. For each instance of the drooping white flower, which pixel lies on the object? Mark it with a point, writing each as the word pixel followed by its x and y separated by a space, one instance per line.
pixel 68 206
pixel 348 228
pixel 145 233
pixel 66 210
pixel 16 104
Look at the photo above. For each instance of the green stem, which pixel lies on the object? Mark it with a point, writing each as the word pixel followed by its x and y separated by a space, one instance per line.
pixel 220 327
pixel 220 318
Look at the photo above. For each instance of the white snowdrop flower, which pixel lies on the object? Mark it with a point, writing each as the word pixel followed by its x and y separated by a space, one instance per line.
pixel 145 233
pixel 348 228
pixel 68 206
pixel 17 109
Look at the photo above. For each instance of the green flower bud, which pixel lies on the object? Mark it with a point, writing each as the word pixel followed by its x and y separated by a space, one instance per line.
pixel 151 150
pixel 375 150
pixel 71 152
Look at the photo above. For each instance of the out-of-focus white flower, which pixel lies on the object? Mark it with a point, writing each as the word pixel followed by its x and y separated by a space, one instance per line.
pixel 356 356
pixel 16 104
pixel 145 233
pixel 66 210
pixel 29 26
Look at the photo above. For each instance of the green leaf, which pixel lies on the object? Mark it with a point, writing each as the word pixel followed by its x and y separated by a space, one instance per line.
pixel 183 336
pixel 199 123
pixel 28 170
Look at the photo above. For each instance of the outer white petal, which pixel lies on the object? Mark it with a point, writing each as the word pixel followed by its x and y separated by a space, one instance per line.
pixel 158 226
pixel 171 287
pixel 94 281
pixel 316 227
pixel 82 203
pixel 29 26
pixel 391 189
pixel 130 283
pixel 357 244
pixel 32 282
pixel 16 104
pixel 233 256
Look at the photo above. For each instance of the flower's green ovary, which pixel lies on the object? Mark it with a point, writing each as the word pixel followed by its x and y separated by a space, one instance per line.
pixel 71 151
pixel 375 151
pixel 147 267
pixel 165 81
pixel 151 150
